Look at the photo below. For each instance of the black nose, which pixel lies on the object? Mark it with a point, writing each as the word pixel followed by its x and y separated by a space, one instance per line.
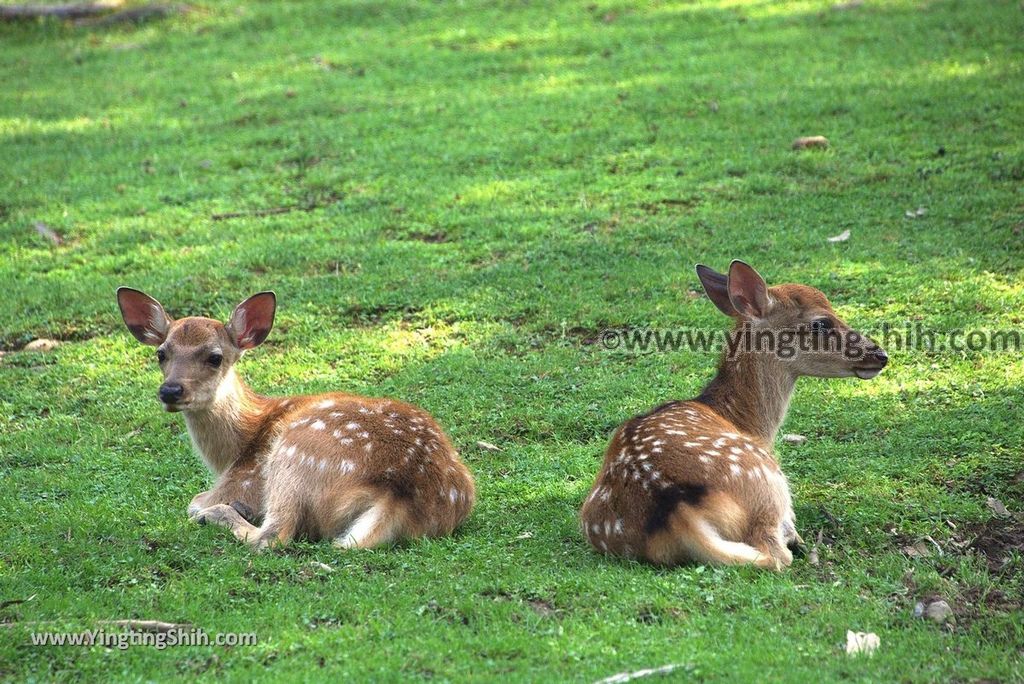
pixel 880 356
pixel 171 394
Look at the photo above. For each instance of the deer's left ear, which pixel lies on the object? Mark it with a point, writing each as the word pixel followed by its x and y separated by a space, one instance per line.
pixel 252 320
pixel 747 291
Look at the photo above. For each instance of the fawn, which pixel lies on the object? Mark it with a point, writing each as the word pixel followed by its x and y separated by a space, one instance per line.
pixel 361 471
pixel 696 481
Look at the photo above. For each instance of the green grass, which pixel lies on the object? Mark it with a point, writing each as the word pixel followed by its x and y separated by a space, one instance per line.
pixel 489 185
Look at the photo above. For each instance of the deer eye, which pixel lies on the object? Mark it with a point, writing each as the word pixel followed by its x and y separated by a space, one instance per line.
pixel 214 360
pixel 161 356
pixel 820 325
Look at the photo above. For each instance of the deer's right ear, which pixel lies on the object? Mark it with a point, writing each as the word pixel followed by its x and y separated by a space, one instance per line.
pixel 748 291
pixel 252 320
pixel 144 316
pixel 717 286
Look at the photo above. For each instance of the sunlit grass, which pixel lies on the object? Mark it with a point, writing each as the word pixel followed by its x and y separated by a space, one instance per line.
pixel 476 191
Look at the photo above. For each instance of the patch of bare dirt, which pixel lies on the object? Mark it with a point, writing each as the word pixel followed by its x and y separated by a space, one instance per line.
pixel 995 540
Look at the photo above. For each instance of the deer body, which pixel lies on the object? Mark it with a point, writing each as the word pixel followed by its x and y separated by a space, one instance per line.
pixel 357 470
pixel 697 480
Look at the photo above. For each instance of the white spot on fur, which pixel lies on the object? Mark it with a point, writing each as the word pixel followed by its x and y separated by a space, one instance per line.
pixel 735 469
pixel 318 424
pixel 352 426
pixel 326 404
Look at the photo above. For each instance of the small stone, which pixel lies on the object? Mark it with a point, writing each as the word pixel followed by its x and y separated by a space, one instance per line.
pixel 997 507
pixel 42 345
pixel 792 438
pixel 938 611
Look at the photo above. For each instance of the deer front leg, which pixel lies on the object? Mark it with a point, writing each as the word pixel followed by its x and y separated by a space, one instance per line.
pixel 240 486
pixel 226 516
pixel 199 502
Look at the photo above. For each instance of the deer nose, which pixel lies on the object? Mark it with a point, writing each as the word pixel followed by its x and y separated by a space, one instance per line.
pixel 171 394
pixel 880 356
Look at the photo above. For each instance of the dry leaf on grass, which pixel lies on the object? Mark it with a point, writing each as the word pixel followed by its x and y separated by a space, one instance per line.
pixel 842 237
pixel 487 446
pixel 48 233
pixel 861 643
pixel 793 438
pixel 810 141
pixel 41 345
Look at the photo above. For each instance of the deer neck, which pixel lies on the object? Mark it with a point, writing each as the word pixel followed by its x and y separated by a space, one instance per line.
pixel 221 434
pixel 752 390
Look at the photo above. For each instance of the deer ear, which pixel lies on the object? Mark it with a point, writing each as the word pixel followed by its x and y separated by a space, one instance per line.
pixel 717 287
pixel 144 316
pixel 747 291
pixel 252 320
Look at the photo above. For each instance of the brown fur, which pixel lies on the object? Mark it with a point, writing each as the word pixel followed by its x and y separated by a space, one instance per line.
pixel 697 481
pixel 357 470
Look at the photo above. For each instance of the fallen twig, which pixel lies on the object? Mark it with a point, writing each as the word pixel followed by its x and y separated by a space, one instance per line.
pixel 146 625
pixel 14 602
pixel 134 14
pixel 629 676
pixel 275 210
pixel 75 10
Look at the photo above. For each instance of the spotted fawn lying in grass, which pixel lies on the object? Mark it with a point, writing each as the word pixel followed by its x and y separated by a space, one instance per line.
pixel 363 472
pixel 697 481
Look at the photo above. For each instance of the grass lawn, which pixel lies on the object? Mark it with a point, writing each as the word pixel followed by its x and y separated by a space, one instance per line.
pixel 471 192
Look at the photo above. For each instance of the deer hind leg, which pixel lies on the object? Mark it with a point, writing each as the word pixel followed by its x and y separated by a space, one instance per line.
pixel 708 545
pixel 377 525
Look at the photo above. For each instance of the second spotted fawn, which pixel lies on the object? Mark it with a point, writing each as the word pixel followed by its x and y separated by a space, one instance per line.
pixel 363 472
pixel 697 480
